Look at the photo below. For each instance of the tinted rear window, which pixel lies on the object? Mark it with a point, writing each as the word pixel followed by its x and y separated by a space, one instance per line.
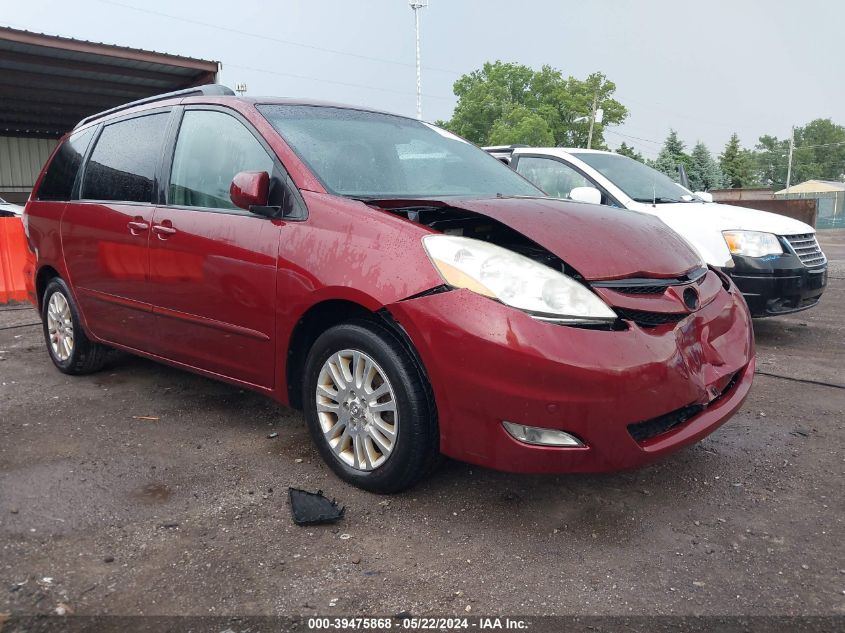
pixel 123 164
pixel 61 174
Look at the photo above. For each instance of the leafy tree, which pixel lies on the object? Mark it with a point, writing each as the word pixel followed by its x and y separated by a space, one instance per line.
pixel 630 152
pixel 521 126
pixel 737 165
pixel 578 102
pixel 671 155
pixel 494 103
pixel 819 151
pixel 771 157
pixel 704 172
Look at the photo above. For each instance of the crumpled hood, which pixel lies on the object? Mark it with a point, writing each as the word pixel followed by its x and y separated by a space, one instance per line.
pixel 599 242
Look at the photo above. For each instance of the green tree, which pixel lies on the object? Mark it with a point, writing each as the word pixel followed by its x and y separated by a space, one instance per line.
pixel 630 152
pixel 771 158
pixel 671 155
pixel 737 165
pixel 498 97
pixel 578 103
pixel 521 126
pixel 819 151
pixel 704 172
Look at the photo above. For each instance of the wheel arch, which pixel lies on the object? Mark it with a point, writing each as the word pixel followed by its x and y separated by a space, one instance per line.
pixel 314 321
pixel 324 315
pixel 42 278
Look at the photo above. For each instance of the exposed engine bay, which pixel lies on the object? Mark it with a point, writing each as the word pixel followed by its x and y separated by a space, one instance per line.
pixel 453 221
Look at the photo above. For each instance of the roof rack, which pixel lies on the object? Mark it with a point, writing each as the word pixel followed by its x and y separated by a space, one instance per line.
pixel 502 149
pixel 208 90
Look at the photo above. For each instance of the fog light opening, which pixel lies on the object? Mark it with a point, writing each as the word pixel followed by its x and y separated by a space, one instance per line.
pixel 541 437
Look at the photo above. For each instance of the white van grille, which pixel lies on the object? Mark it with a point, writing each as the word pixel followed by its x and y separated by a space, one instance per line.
pixel 807 249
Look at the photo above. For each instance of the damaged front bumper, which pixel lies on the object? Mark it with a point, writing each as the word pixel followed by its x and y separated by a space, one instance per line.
pixel 630 395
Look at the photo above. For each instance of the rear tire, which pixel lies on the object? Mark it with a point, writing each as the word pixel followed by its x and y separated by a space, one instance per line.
pixel 70 349
pixel 381 443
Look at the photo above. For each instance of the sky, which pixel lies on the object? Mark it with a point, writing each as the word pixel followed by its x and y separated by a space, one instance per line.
pixel 706 69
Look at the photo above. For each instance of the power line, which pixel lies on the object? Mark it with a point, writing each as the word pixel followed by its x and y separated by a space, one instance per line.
pixel 269 38
pixel 636 138
pixel 820 145
pixel 655 106
pixel 331 81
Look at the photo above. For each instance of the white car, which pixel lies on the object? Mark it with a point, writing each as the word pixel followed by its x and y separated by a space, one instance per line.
pixel 774 260
pixel 7 209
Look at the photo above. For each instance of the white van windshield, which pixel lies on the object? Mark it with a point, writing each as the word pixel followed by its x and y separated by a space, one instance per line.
pixel 639 182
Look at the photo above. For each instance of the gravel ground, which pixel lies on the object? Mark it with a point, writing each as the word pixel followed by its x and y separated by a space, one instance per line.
pixel 147 490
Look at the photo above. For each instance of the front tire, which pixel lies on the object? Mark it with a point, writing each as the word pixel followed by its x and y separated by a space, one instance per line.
pixel 70 349
pixel 369 408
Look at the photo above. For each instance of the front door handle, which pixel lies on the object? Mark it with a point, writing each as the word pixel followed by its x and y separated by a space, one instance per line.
pixel 163 230
pixel 136 226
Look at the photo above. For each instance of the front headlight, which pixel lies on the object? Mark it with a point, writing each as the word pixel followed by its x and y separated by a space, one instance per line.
pixel 752 243
pixel 515 280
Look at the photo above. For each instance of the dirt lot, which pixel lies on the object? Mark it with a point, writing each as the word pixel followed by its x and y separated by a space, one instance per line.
pixel 107 512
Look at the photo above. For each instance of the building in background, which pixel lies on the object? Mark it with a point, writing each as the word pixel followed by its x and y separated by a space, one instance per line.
pixel 830 197
pixel 50 83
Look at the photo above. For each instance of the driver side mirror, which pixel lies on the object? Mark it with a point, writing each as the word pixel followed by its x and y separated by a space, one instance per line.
pixel 705 195
pixel 590 195
pixel 250 190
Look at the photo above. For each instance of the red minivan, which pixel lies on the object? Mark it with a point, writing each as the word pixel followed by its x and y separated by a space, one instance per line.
pixel 413 295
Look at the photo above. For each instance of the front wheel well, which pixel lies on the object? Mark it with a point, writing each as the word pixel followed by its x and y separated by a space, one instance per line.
pixel 311 325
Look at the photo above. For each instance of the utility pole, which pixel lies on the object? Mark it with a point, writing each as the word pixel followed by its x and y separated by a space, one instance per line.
pixel 416 5
pixel 592 119
pixel 596 116
pixel 789 164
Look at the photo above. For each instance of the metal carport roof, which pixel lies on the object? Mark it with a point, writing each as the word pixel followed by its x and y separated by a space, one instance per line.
pixel 49 83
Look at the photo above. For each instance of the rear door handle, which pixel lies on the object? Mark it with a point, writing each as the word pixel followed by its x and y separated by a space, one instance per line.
pixel 136 226
pixel 163 230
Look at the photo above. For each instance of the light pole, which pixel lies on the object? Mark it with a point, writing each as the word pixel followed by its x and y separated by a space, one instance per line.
pixel 416 5
pixel 789 163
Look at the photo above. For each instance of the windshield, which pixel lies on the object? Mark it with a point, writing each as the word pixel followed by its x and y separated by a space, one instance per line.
pixel 370 155
pixel 639 182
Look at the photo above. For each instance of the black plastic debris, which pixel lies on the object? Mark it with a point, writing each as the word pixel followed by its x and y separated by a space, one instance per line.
pixel 309 508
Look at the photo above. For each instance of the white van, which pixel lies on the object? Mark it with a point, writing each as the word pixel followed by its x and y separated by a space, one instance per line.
pixel 774 260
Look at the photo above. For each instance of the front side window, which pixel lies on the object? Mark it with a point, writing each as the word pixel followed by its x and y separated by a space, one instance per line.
pixel 212 148
pixel 552 176
pixel 61 174
pixel 123 164
pixel 640 182
pixel 372 155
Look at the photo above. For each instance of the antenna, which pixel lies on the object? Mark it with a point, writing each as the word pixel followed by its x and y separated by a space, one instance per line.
pixel 416 5
pixel 240 88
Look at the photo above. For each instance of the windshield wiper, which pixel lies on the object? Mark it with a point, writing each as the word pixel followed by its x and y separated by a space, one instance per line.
pixel 658 200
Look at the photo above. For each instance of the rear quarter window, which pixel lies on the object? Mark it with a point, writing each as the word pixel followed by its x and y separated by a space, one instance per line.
pixel 61 173
pixel 123 164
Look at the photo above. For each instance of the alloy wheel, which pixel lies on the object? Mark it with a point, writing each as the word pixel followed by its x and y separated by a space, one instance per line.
pixel 357 409
pixel 60 326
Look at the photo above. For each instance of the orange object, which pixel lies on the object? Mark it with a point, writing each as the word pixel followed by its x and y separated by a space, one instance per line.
pixel 13 259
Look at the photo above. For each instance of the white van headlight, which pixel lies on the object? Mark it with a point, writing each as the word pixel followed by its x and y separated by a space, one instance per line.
pixel 515 280
pixel 752 243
